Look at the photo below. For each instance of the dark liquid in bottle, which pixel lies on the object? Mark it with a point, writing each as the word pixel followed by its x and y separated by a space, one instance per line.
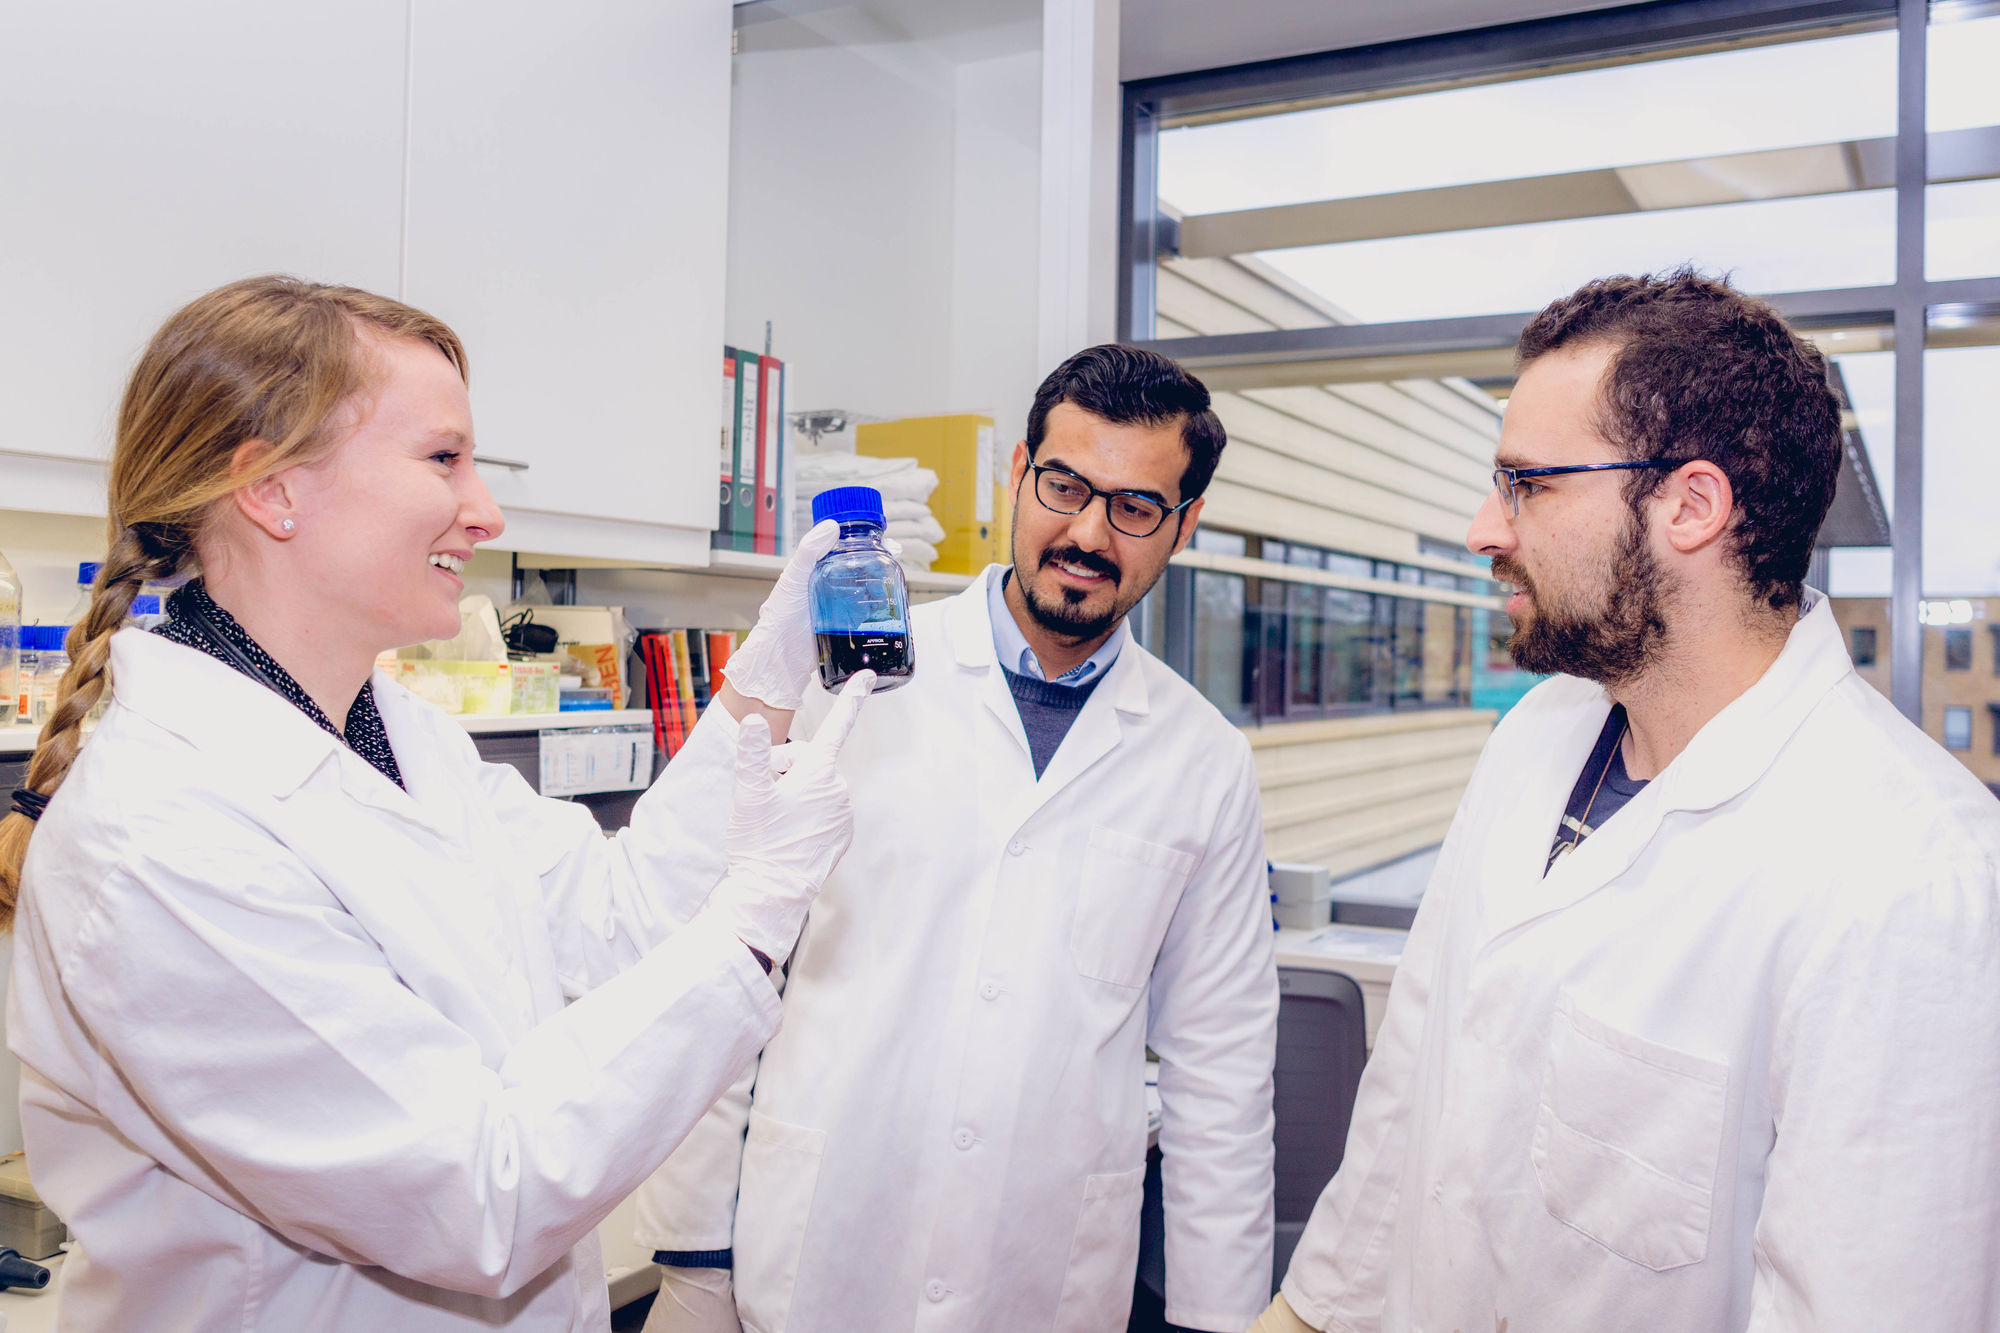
pixel 844 652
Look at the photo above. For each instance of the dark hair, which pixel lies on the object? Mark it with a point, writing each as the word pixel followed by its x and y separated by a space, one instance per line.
pixel 1127 386
pixel 1703 371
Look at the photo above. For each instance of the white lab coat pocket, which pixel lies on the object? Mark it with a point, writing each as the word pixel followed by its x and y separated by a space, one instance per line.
pixel 1627 1140
pixel 774 1202
pixel 1124 900
pixel 1103 1255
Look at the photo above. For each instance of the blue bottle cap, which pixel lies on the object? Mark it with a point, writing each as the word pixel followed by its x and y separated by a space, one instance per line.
pixel 849 504
pixel 145 604
pixel 87 571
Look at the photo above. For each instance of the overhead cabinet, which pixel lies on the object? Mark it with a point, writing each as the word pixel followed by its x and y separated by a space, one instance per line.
pixel 552 182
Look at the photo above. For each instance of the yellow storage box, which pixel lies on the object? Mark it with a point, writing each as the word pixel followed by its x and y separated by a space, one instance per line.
pixel 971 502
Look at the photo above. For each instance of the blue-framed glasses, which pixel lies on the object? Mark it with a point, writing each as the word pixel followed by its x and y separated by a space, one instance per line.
pixel 1133 513
pixel 1507 480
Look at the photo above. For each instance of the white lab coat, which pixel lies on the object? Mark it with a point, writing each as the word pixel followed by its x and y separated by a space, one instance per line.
pixel 949 1132
pixel 1734 1064
pixel 294 1043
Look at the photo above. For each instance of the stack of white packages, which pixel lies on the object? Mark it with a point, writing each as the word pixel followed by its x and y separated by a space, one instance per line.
pixel 906 491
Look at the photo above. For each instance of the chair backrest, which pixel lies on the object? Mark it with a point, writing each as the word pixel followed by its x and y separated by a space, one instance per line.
pixel 1322 1044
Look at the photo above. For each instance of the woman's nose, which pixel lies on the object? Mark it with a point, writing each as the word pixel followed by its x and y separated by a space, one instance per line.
pixel 478 511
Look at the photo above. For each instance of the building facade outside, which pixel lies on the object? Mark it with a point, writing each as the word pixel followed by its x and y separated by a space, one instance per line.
pixel 1961 671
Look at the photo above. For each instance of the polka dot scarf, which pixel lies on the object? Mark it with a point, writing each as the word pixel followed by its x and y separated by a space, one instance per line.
pixel 197 622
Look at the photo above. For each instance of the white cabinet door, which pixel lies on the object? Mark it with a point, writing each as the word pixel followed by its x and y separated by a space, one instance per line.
pixel 568 210
pixel 153 151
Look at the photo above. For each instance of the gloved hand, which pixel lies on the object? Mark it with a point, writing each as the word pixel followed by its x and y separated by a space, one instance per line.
pixel 694 1300
pixel 778 657
pixel 786 832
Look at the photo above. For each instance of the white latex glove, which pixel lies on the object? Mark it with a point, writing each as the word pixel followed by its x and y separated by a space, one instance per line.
pixel 778 657
pixel 694 1300
pixel 786 832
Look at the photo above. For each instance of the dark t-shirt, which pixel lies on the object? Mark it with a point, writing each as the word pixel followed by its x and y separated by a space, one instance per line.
pixel 1601 791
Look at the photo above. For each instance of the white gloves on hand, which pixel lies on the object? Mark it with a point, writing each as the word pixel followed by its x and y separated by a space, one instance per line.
pixel 694 1300
pixel 779 655
pixel 786 833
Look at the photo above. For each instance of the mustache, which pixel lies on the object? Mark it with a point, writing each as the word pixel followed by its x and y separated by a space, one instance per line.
pixel 1504 570
pixel 1076 555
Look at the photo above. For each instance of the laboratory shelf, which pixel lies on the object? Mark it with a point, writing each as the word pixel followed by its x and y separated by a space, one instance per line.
pixel 602 717
pixel 733 565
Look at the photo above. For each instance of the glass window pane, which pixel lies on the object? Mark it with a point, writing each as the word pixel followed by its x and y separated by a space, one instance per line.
pixel 1763 98
pixel 1350 672
pixel 1221 543
pixel 1499 197
pixel 1962 215
pixel 1957 728
pixel 1219 644
pixel 1443 654
pixel 1303 648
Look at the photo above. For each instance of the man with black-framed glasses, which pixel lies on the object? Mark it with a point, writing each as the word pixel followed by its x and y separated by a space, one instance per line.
pixel 1058 862
pixel 1698 1028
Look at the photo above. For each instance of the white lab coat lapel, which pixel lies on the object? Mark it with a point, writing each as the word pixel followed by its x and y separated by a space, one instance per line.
pixel 1730 752
pixel 1097 731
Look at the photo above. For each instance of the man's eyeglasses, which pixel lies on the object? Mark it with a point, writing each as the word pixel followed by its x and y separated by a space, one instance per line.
pixel 1133 513
pixel 1507 480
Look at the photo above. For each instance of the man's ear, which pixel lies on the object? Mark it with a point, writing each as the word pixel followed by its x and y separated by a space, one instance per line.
pixel 1699 506
pixel 268 502
pixel 1188 518
pixel 1018 468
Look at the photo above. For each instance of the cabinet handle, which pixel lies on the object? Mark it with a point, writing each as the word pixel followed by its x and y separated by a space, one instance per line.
pixel 511 464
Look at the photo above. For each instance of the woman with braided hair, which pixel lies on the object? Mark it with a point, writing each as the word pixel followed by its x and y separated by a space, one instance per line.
pixel 323 1022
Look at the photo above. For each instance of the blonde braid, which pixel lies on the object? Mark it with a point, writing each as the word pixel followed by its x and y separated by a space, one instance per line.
pixel 129 567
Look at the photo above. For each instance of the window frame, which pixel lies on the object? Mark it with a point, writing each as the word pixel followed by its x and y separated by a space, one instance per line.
pixel 1547 45
pixel 1944 731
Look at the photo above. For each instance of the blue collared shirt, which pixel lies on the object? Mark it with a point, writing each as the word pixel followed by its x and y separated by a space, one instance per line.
pixel 1012 646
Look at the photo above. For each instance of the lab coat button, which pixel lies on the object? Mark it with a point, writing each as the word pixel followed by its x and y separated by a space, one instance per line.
pixel 990 991
pixel 1016 847
pixel 964 1139
pixel 934 1289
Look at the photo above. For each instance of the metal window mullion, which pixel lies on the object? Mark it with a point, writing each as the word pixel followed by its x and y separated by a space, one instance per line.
pixel 1139 237
pixel 1906 526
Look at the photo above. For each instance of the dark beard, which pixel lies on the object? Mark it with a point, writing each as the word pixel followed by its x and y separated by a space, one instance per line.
pixel 1066 618
pixel 1619 643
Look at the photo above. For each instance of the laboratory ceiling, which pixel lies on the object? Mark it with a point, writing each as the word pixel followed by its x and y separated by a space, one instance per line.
pixel 1175 36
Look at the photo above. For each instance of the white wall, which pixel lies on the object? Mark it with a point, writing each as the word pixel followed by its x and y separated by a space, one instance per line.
pixel 995 173
pixel 882 216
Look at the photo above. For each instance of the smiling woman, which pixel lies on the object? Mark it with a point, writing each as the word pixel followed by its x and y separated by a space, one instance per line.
pixel 242 394
pixel 301 987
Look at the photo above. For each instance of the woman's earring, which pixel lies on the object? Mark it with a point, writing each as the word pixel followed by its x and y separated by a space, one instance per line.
pixel 288 525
